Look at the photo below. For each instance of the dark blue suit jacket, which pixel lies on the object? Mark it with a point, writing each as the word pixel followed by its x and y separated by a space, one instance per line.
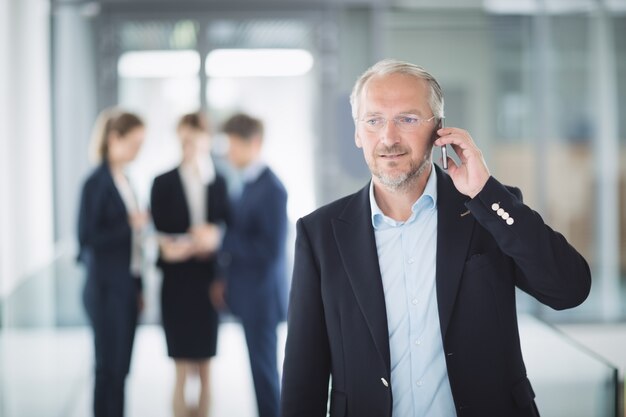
pixel 337 314
pixel 110 293
pixel 104 233
pixel 255 244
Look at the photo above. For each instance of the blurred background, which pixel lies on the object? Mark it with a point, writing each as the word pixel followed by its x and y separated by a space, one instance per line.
pixel 540 84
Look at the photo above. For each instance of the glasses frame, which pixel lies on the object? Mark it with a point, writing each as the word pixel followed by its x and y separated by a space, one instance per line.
pixel 402 127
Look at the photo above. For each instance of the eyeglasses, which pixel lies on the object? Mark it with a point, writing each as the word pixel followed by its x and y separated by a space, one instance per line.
pixel 404 122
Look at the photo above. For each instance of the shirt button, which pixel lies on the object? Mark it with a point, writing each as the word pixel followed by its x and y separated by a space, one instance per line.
pixel 418 342
pixel 411 260
pixel 419 383
pixel 414 301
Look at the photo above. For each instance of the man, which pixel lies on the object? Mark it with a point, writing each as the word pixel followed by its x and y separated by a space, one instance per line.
pixel 255 243
pixel 404 292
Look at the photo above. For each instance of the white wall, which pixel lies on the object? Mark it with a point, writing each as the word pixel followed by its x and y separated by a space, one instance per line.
pixel 74 80
pixel 4 82
pixel 26 228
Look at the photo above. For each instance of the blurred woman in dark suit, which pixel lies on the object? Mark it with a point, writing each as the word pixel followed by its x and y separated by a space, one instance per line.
pixel 189 205
pixel 109 227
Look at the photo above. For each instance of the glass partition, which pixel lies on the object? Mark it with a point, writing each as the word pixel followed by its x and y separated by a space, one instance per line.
pixel 541 90
pixel 45 346
pixel 568 379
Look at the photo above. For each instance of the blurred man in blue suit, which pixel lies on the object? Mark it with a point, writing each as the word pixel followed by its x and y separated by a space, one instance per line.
pixel 255 243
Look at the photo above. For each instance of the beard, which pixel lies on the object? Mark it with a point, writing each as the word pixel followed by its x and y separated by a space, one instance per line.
pixel 404 180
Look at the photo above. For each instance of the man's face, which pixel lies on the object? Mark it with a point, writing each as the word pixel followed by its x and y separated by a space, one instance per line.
pixel 242 152
pixel 394 156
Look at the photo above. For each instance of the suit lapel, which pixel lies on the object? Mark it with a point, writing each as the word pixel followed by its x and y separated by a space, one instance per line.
pixel 249 193
pixel 453 237
pixel 114 191
pixel 355 238
pixel 357 246
pixel 210 202
pixel 184 215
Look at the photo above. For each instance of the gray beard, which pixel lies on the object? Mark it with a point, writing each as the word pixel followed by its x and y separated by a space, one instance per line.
pixel 404 181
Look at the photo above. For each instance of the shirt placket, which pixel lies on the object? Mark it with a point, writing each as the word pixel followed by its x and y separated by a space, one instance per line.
pixel 412 305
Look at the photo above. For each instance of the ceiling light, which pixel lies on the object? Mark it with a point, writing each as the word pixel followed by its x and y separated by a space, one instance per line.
pixel 258 62
pixel 158 64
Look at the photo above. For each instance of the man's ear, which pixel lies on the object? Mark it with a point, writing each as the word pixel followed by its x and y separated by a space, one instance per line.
pixel 357 140
pixel 256 142
pixel 435 136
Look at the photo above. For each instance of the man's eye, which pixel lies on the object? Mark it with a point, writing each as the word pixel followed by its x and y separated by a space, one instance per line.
pixel 408 120
pixel 374 122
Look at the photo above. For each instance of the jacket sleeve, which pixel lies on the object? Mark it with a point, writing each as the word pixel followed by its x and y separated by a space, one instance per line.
pixel 223 218
pixel 223 215
pixel 547 266
pixel 93 232
pixel 157 206
pixel 306 368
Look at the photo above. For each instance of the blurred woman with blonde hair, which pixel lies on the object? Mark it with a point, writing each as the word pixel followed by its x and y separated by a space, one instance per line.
pixel 109 227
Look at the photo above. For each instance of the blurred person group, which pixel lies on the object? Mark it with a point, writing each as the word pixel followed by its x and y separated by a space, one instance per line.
pixel 214 254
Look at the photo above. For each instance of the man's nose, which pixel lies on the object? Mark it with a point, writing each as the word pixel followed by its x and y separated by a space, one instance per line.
pixel 389 135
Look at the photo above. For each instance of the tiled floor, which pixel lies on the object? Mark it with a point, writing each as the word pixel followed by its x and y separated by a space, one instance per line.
pixel 48 373
pixel 42 371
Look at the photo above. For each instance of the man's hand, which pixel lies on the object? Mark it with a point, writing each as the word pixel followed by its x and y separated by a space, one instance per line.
pixel 471 175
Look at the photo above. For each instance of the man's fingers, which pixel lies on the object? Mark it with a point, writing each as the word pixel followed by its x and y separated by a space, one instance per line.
pixel 454 136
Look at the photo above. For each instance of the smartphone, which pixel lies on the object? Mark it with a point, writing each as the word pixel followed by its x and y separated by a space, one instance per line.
pixel 444 155
pixel 444 148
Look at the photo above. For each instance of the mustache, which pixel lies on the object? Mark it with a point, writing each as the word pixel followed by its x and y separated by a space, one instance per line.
pixel 391 150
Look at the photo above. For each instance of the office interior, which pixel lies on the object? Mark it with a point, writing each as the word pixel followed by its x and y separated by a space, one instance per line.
pixel 540 85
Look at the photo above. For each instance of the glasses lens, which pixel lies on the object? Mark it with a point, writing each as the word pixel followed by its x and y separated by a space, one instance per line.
pixel 374 124
pixel 405 123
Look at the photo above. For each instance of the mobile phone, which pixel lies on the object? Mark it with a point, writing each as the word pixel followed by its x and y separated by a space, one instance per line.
pixel 444 148
pixel 444 155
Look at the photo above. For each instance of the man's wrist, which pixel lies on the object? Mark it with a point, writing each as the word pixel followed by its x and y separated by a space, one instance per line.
pixel 477 190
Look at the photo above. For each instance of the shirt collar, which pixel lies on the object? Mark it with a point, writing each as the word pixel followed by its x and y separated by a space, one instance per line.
pixel 253 171
pixel 202 170
pixel 428 200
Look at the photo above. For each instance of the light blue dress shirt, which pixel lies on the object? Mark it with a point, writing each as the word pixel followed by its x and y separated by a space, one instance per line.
pixel 407 257
pixel 239 178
